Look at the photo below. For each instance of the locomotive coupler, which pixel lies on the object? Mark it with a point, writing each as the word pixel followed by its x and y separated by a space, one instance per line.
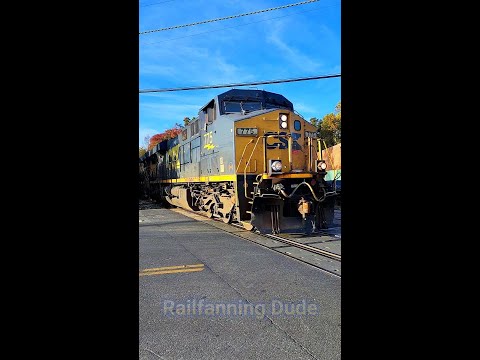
pixel 304 207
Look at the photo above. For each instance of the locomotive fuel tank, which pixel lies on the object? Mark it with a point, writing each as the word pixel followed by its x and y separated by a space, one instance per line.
pixel 180 196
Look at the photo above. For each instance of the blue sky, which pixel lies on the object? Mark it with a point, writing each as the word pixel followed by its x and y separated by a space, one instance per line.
pixel 294 42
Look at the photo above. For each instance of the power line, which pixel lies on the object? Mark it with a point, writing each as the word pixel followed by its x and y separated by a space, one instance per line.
pixel 240 84
pixel 157 3
pixel 231 27
pixel 228 17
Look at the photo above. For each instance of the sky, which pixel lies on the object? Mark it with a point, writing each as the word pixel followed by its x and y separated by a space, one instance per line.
pixel 299 41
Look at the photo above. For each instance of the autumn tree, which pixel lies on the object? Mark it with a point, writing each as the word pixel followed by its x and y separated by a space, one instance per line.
pixel 166 135
pixel 329 128
pixel 155 139
pixel 141 151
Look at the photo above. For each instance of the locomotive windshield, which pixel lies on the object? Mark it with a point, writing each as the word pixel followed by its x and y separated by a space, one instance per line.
pixel 238 101
pixel 241 106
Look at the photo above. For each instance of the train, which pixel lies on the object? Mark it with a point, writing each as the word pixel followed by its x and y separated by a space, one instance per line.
pixel 248 158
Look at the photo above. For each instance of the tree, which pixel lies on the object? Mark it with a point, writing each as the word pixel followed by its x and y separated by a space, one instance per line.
pixel 315 122
pixel 155 139
pixel 330 126
pixel 141 151
pixel 338 118
pixel 338 108
pixel 166 135
pixel 329 129
pixel 187 120
pixel 146 141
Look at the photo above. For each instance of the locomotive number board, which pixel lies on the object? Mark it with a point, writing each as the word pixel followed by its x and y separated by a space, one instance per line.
pixel 311 134
pixel 247 131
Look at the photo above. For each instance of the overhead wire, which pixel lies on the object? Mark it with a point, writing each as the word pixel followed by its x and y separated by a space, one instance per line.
pixel 228 17
pixel 157 3
pixel 240 84
pixel 235 26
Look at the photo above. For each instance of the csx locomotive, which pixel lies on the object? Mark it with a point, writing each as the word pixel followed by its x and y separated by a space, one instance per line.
pixel 247 158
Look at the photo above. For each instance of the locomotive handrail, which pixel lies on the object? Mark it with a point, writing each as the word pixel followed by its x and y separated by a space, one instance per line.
pixel 309 142
pixel 241 158
pixel 290 146
pixel 325 194
pixel 245 170
pixel 264 138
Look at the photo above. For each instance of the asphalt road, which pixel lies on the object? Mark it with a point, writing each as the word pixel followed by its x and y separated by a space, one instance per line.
pixel 228 272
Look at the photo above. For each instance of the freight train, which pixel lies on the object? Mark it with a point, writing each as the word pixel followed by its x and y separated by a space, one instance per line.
pixel 248 158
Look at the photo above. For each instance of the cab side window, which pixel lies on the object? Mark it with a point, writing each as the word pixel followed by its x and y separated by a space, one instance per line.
pixel 210 113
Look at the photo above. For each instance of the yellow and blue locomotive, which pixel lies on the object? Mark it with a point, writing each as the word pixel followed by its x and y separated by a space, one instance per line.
pixel 247 158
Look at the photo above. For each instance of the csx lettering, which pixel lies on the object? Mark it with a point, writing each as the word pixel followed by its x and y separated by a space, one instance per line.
pixel 283 144
pixel 295 144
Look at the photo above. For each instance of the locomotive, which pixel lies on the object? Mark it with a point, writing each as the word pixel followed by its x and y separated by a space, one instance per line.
pixel 248 158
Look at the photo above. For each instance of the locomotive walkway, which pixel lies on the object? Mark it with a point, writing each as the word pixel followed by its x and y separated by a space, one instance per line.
pixel 207 294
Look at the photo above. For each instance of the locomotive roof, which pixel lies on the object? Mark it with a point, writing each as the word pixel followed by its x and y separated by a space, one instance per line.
pixel 233 95
pixel 250 95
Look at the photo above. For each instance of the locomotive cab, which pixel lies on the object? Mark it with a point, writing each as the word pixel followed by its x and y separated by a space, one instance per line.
pixel 281 185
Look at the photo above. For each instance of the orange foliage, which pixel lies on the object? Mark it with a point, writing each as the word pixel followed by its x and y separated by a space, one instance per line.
pixel 168 134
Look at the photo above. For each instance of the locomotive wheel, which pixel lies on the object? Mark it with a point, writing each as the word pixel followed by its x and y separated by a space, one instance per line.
pixel 210 212
pixel 228 218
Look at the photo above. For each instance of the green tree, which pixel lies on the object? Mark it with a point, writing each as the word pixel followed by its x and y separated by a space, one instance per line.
pixel 315 122
pixel 338 118
pixel 187 120
pixel 328 132
pixel 141 151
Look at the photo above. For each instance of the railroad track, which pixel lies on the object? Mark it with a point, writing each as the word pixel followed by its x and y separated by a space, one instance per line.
pixel 322 259
pixel 333 259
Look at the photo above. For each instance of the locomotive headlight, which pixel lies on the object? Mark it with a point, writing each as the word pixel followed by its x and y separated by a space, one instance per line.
pixel 321 165
pixel 283 121
pixel 274 167
pixel 277 166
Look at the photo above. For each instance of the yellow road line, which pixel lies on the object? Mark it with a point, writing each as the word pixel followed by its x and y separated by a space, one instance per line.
pixel 172 269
